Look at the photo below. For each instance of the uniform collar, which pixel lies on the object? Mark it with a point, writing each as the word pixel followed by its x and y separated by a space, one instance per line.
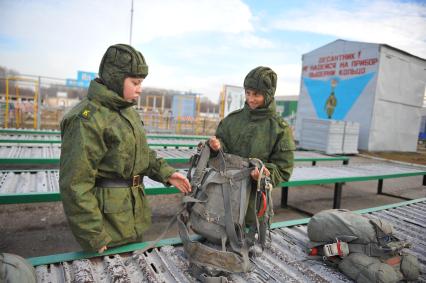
pixel 260 113
pixel 106 97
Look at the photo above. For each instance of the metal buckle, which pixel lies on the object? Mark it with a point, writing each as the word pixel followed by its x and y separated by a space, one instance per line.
pixel 136 180
pixel 336 249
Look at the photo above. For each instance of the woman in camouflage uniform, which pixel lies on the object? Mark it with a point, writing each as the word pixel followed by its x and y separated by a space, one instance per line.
pixel 105 156
pixel 256 131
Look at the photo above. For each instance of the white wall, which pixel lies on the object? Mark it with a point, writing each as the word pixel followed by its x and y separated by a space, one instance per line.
pixel 354 92
pixel 398 102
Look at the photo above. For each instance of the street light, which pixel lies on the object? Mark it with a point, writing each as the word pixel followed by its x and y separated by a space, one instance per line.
pixel 131 24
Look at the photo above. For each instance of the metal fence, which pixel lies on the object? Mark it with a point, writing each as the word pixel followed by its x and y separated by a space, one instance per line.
pixel 22 115
pixel 35 102
pixel 155 122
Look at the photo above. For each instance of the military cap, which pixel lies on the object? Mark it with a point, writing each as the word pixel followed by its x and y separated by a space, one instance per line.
pixel 119 62
pixel 264 80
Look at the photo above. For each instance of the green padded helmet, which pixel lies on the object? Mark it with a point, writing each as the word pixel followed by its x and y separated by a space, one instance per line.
pixel 264 80
pixel 119 62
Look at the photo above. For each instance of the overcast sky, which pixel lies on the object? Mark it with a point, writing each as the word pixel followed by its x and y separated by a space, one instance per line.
pixel 199 45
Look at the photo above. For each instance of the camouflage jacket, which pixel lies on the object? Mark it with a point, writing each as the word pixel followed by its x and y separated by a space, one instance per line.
pixel 103 137
pixel 262 134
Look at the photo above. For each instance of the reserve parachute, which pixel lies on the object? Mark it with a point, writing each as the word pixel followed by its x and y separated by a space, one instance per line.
pixel 363 247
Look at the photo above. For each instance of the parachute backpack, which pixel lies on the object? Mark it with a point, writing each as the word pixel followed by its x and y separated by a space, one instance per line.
pixel 216 210
pixel 14 268
pixel 362 247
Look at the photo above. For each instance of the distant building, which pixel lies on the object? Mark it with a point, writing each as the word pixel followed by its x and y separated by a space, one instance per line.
pixel 231 98
pixel 287 107
pixel 379 86
pixel 61 102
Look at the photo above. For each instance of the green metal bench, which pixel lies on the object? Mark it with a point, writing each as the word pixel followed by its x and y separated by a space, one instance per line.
pixel 41 132
pixel 55 196
pixel 302 176
pixel 345 174
pixel 170 160
pixel 151 144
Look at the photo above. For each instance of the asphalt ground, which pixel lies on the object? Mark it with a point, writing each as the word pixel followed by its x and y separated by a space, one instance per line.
pixel 40 229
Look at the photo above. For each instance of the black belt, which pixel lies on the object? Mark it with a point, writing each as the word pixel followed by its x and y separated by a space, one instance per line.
pixel 118 182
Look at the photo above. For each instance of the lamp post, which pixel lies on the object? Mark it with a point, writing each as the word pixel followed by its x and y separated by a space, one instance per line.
pixel 131 24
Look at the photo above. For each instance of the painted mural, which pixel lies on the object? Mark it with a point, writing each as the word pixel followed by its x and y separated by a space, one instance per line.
pixel 334 97
pixel 335 82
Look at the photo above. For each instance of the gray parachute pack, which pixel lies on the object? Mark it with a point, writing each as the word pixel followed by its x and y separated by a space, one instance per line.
pixel 14 268
pixel 216 210
pixel 362 247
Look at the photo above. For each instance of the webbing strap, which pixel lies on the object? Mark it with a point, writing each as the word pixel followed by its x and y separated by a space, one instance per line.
pixel 219 178
pixel 183 231
pixel 214 279
pixel 161 236
pixel 243 199
pixel 361 248
pixel 209 257
pixel 201 165
pixel 373 249
pixel 242 174
pixel 189 199
pixel 229 220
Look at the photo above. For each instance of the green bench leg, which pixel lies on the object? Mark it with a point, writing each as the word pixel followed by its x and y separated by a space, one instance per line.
pixel 337 195
pixel 380 191
pixel 314 163
pixel 284 197
pixel 424 180
pixel 380 187
pixel 345 162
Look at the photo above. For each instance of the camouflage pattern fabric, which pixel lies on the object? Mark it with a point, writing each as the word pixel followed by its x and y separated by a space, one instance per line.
pixel 330 104
pixel 264 80
pixel 260 133
pixel 121 61
pixel 103 137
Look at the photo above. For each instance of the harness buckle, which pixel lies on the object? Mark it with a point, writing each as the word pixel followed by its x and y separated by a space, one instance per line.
pixel 336 249
pixel 136 181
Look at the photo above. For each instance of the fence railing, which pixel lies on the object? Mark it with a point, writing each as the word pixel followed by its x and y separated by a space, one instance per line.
pixel 163 123
pixel 154 122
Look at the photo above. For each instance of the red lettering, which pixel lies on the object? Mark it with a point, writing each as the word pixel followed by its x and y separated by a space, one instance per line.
pixel 349 72
pixel 334 58
pixel 322 67
pixel 365 62
pixel 322 74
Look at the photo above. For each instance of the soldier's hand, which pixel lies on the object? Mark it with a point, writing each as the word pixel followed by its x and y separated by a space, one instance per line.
pixel 101 250
pixel 255 173
pixel 214 143
pixel 181 182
